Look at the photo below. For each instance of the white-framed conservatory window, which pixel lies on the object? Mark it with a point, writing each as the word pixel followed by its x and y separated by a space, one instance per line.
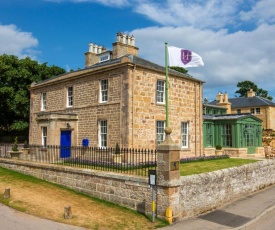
pixel 160 131
pixel 43 101
pixel 103 131
pixel 70 96
pixel 184 135
pixel 104 90
pixel 160 92
pixel 44 136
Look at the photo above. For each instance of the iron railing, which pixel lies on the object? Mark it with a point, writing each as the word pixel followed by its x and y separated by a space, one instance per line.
pixel 122 160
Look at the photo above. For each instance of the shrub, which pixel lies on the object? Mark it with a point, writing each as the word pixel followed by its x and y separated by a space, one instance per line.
pixel 117 149
pixel 203 158
pixel 218 147
pixel 15 145
pixel 26 145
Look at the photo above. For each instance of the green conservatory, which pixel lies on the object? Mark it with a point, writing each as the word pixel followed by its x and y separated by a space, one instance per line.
pixel 238 134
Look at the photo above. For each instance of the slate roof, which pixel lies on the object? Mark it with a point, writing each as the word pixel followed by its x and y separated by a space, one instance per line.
pixel 213 106
pixel 228 116
pixel 241 102
pixel 134 59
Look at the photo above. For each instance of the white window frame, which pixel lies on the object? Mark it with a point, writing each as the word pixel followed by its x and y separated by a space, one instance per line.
pixel 103 133
pixel 44 136
pixel 252 110
pixel 103 90
pixel 70 96
pixel 160 126
pixel 43 101
pixel 160 92
pixel 184 134
pixel 258 110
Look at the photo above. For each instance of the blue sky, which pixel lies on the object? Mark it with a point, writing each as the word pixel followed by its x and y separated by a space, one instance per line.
pixel 235 38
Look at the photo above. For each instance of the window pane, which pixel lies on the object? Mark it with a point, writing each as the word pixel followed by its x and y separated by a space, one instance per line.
pixel 160 131
pixel 184 133
pixel 103 134
pixel 160 91
pixel 209 135
pixel 43 101
pixel 70 96
pixel 104 90
pixel 227 135
pixel 44 136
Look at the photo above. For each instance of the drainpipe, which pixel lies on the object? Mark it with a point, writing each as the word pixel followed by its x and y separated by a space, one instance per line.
pixel 195 119
pixel 133 80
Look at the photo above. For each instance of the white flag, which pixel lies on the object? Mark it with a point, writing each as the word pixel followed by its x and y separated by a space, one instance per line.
pixel 183 58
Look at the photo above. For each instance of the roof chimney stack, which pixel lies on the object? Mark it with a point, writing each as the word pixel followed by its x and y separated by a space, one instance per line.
pixel 125 44
pixel 250 93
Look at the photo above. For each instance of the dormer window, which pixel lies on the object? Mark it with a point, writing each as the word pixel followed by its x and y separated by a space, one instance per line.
pixel 104 57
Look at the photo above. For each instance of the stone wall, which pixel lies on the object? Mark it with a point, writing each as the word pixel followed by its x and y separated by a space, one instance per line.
pixel 204 192
pixel 195 195
pixel 126 190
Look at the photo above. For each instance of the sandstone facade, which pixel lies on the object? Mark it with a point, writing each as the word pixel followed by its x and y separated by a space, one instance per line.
pixel 131 111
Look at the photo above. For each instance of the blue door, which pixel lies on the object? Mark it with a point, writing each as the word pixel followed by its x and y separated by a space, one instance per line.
pixel 65 144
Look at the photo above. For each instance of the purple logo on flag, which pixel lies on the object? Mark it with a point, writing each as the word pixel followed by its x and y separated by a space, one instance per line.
pixel 186 56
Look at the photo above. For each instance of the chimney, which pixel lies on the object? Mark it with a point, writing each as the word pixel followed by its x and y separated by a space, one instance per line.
pixel 91 57
pixel 225 97
pixel 219 97
pixel 250 93
pixel 223 101
pixel 125 44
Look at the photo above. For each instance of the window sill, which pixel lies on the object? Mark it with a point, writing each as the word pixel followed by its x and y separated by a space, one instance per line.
pixel 185 149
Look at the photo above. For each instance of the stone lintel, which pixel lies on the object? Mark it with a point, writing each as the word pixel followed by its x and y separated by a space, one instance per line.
pixel 56 116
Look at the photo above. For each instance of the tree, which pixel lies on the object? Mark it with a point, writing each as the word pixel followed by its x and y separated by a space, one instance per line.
pixel 245 86
pixel 16 76
pixel 179 69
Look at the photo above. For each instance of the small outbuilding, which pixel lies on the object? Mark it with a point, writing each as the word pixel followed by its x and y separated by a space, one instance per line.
pixel 238 134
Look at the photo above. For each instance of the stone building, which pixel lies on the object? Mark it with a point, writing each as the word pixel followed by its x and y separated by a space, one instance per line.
pixel 117 98
pixel 260 107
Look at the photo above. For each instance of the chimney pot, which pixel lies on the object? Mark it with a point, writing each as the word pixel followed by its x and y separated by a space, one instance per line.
pixel 123 38
pixel 91 46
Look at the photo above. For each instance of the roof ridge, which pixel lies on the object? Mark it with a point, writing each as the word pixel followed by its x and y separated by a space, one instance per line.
pixel 264 100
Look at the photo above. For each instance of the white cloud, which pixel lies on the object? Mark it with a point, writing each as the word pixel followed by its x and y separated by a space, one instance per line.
pixel 228 58
pixel 261 12
pixel 199 14
pixel 16 42
pixel 111 3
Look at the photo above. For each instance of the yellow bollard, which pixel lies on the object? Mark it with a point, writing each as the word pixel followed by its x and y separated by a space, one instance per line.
pixel 168 215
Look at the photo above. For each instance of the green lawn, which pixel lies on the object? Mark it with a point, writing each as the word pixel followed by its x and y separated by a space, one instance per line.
pixel 189 168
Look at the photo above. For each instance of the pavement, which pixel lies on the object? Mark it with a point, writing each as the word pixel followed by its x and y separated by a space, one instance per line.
pixel 237 215
pixel 11 219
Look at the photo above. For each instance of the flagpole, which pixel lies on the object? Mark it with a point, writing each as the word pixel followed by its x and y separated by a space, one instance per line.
pixel 166 86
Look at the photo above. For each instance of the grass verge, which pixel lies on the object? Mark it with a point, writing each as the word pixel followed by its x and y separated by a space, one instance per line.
pixel 197 167
pixel 47 200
